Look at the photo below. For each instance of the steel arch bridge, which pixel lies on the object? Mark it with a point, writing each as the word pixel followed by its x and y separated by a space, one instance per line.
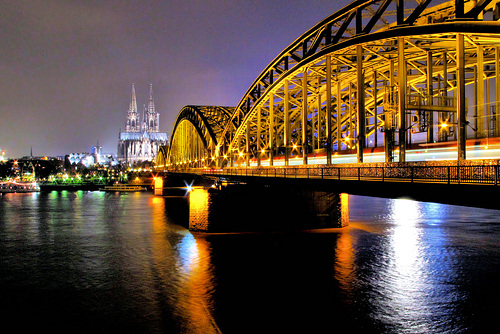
pixel 197 130
pixel 379 74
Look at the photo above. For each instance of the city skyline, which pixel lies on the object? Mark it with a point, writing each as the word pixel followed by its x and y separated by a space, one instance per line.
pixel 67 67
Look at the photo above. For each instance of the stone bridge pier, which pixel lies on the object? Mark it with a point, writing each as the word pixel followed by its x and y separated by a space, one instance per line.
pixel 243 208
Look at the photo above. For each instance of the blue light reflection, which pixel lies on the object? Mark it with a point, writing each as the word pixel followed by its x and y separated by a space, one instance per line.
pixel 413 269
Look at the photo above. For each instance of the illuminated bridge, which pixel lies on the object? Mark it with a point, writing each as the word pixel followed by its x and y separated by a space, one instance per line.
pixel 378 85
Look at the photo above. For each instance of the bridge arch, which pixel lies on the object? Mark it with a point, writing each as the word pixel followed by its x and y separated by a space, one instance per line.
pixel 195 136
pixel 161 157
pixel 378 74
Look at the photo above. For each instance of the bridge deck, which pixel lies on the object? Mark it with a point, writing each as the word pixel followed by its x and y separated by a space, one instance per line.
pixel 480 174
pixel 469 185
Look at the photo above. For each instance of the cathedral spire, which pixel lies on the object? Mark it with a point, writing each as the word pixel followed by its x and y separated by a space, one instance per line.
pixel 151 104
pixel 133 101
pixel 144 119
pixel 132 116
pixel 152 116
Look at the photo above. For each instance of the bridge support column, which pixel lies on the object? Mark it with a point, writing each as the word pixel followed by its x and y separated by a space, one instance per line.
pixel 238 208
pixel 158 186
pixel 389 128
pixel 360 96
pixel 304 117
pixel 430 94
pixel 259 141
pixel 497 90
pixel 402 99
pixel 271 129
pixel 481 108
pixel 328 110
pixel 461 108
pixel 247 146
pixel 375 109
pixel 339 112
pixel 286 137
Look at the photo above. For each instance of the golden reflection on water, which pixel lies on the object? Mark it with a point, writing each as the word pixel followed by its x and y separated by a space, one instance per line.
pixel 344 264
pixel 198 289
pixel 191 265
pixel 159 213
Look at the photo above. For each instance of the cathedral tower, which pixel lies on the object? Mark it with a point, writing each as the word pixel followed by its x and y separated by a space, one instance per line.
pixel 152 118
pixel 133 123
pixel 142 138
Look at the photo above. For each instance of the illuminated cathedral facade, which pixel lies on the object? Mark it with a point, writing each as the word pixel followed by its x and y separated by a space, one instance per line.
pixel 142 138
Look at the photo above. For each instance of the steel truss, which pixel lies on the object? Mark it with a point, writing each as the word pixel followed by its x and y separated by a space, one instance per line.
pixel 374 74
pixel 196 134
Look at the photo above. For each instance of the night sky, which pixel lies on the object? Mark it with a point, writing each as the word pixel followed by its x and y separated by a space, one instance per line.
pixel 67 66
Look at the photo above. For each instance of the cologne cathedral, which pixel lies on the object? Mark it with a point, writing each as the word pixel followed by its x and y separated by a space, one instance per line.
pixel 141 139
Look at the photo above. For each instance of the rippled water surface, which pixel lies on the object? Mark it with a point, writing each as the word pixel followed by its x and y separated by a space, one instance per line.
pixel 102 262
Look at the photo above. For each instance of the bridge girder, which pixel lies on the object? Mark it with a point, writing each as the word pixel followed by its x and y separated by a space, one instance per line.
pixel 404 63
pixel 380 85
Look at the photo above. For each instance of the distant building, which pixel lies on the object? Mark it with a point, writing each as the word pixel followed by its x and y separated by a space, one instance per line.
pixel 91 159
pixel 141 139
pixel 96 152
pixel 83 158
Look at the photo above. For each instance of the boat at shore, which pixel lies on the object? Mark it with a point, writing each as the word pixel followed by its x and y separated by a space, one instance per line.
pixel 123 188
pixel 18 187
pixel 59 185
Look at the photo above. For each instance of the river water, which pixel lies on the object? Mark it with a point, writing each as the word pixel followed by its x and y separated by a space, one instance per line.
pixel 103 262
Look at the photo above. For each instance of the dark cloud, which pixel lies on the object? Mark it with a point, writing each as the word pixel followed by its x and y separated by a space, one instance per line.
pixel 66 67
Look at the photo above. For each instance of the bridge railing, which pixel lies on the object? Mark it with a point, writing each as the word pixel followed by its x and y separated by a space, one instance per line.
pixel 483 174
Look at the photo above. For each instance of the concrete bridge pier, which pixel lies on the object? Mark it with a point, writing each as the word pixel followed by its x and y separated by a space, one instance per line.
pixel 254 208
pixel 178 184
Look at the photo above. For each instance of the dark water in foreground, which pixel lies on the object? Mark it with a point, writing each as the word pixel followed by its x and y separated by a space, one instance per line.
pixel 99 262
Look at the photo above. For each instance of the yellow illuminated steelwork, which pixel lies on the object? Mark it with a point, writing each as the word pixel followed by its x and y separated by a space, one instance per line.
pixel 356 80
